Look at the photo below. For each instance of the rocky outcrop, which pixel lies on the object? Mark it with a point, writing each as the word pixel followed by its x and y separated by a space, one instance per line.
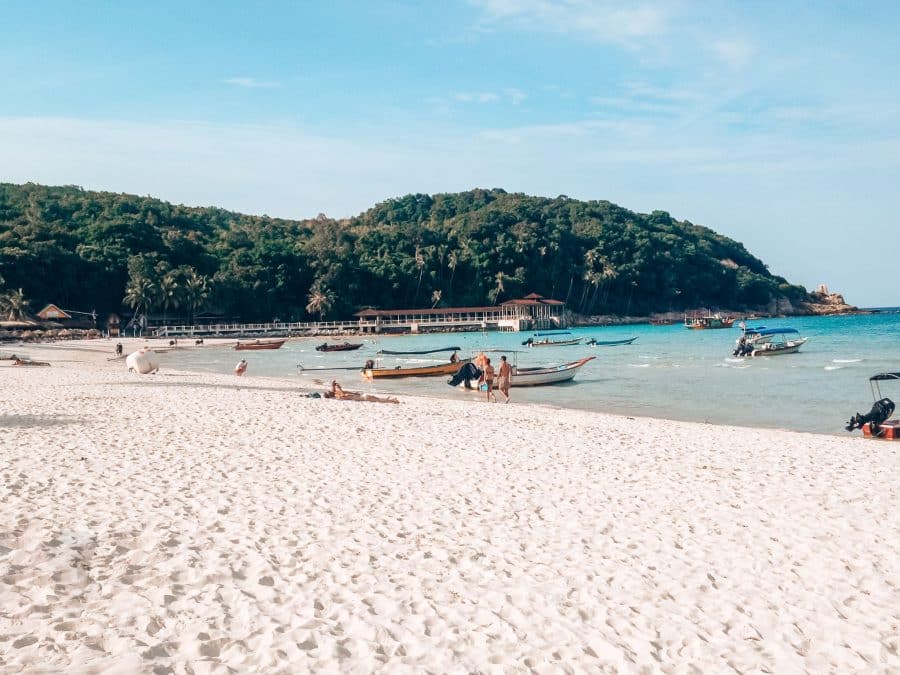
pixel 822 302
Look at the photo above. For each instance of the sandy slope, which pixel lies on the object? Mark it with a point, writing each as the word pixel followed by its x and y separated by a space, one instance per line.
pixel 197 523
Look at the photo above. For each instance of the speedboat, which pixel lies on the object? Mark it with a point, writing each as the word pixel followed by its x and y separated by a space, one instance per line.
pixel 877 423
pixel 762 341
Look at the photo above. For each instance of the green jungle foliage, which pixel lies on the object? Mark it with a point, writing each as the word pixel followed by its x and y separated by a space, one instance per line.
pixel 105 251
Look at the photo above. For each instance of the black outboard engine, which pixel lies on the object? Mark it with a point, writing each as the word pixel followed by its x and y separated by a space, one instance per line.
pixel 467 373
pixel 880 412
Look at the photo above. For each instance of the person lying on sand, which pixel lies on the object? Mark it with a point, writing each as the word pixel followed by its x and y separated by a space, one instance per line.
pixel 29 362
pixel 338 392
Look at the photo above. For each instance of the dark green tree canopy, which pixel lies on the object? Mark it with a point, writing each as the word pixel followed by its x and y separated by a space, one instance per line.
pixel 102 250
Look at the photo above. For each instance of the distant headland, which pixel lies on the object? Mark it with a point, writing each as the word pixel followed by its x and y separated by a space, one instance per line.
pixel 101 254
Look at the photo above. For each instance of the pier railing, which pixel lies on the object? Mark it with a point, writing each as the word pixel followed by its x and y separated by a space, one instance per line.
pixel 412 324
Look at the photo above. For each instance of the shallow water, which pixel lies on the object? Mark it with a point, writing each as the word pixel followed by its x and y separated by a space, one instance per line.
pixel 669 371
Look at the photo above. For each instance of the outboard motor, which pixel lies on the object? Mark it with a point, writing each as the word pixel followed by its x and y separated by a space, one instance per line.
pixel 467 373
pixel 880 412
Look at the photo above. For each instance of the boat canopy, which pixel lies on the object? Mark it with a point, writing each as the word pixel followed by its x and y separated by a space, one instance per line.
pixel 555 332
pixel 885 376
pixel 424 351
pixel 762 330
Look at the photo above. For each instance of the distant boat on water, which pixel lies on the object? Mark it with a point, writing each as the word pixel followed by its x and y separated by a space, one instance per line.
pixel 346 347
pixel 609 343
pixel 258 344
pixel 546 339
pixel 707 321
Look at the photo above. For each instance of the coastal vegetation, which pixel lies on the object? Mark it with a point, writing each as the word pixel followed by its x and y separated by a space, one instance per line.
pixel 103 251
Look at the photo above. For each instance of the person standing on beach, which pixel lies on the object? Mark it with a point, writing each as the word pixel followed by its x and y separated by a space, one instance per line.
pixel 489 380
pixel 504 375
pixel 241 367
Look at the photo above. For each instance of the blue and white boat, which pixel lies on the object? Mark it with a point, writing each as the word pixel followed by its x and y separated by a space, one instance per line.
pixel 550 339
pixel 762 341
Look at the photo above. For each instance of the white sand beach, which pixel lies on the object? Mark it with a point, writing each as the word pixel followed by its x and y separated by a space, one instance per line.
pixel 195 523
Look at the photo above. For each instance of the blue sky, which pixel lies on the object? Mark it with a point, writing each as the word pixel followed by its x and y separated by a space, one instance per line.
pixel 775 123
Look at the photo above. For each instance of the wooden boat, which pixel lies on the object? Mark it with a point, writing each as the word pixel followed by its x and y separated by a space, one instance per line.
pixel 546 340
pixel 707 321
pixel 876 423
pixel 418 371
pixel 609 343
pixel 372 371
pixel 258 344
pixel 346 347
pixel 534 377
pixel 762 341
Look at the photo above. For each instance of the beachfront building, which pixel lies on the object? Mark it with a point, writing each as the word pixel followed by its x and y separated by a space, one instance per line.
pixel 531 312
pixel 53 313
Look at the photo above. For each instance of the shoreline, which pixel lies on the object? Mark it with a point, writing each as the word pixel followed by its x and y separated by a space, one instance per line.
pixel 193 520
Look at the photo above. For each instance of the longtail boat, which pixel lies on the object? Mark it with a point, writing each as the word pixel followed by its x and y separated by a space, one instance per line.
pixel 533 377
pixel 546 340
pixel 346 347
pixel 524 376
pixel 609 343
pixel 370 371
pixel 268 344
pixel 419 371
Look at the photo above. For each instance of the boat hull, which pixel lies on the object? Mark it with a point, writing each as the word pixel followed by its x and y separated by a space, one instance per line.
pixel 422 371
pixel 888 431
pixel 610 343
pixel 536 377
pixel 772 349
pixel 349 347
pixel 256 346
pixel 557 343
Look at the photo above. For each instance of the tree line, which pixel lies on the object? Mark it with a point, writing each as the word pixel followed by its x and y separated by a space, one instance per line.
pixel 107 251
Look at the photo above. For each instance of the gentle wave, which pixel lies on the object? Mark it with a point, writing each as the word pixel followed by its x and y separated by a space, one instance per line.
pixel 846 360
pixel 834 367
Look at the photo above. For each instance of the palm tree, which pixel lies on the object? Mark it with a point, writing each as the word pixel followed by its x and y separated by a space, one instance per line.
pixel 320 300
pixel 435 298
pixel 139 294
pixel 196 291
pixel 452 262
pixel 169 295
pixel 420 265
pixel 14 305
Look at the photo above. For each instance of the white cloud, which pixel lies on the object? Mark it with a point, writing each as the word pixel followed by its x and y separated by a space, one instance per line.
pixel 735 52
pixel 483 97
pixel 251 83
pixel 596 20
pixel 509 95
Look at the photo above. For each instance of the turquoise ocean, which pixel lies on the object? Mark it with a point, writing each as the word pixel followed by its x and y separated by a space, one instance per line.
pixel 668 372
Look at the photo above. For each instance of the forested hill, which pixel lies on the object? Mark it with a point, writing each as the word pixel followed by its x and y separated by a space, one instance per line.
pixel 86 250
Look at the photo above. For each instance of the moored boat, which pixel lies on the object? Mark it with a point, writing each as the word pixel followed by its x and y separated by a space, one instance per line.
pixel 259 344
pixel 546 340
pixel 700 321
pixel 762 341
pixel 609 343
pixel 346 347
pixel 521 376
pixel 877 423
pixel 372 371
pixel 533 377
